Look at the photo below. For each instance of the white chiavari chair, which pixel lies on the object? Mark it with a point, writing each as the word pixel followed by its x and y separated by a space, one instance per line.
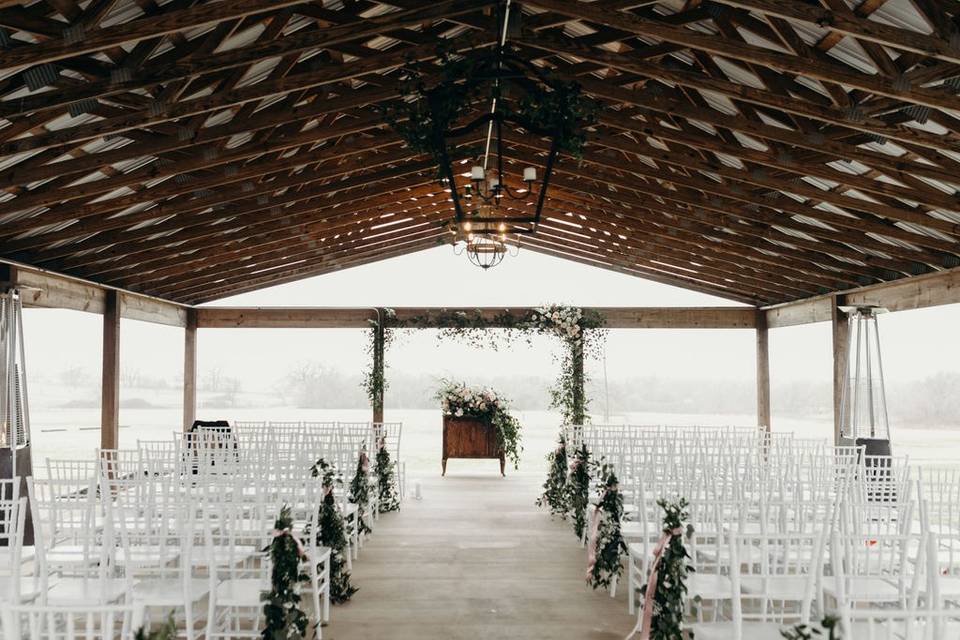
pixel 46 622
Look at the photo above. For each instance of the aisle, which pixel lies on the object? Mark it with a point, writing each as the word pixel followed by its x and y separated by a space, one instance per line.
pixel 475 559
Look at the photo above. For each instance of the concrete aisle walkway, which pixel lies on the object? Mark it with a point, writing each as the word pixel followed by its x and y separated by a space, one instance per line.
pixel 475 559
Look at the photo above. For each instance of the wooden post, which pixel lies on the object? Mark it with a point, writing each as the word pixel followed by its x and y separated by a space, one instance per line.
pixel 379 346
pixel 841 338
pixel 110 403
pixel 763 372
pixel 578 392
pixel 190 370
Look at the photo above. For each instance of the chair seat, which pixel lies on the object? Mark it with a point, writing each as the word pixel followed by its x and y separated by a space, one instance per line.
pixel 867 588
pixel 221 556
pixel 147 555
pixel 775 587
pixel 726 630
pixel 636 550
pixel 167 592
pixel 633 529
pixel 29 591
pixel 26 555
pixel 240 592
pixel 709 586
pixel 86 591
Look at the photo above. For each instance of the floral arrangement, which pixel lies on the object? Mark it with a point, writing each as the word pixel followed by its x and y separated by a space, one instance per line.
pixel 285 620
pixel 459 400
pixel 578 489
pixel 360 490
pixel 387 498
pixel 555 493
pixel 332 532
pixel 606 545
pixel 664 608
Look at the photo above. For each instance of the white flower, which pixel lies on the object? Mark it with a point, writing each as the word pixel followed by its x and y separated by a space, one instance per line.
pixel 459 413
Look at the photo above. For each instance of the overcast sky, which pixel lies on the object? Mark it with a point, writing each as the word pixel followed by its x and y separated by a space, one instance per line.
pixel 915 343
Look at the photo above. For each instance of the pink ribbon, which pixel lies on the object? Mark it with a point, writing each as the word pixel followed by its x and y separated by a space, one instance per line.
pixel 592 544
pixel 364 463
pixel 648 598
pixel 279 533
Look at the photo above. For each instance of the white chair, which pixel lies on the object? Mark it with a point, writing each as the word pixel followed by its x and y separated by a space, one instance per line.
pixel 13 588
pixel 44 622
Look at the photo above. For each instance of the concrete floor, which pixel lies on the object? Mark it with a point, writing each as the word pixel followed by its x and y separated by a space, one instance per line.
pixel 475 559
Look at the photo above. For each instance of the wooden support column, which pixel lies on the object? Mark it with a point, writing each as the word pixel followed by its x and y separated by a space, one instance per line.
pixel 190 370
pixel 578 392
pixel 379 347
pixel 110 403
pixel 763 372
pixel 841 338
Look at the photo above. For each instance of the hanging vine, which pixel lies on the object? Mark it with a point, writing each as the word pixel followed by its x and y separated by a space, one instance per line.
pixel 387 497
pixel 580 331
pixel 332 532
pixel 578 487
pixel 555 494
pixel 380 336
pixel 281 610
pixel 606 545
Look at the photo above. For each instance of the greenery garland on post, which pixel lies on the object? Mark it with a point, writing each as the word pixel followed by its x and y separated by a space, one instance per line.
pixel 578 487
pixel 387 497
pixel 332 532
pixel 664 609
pixel 168 631
pixel 360 490
pixel 281 610
pixel 606 542
pixel 374 379
pixel 555 493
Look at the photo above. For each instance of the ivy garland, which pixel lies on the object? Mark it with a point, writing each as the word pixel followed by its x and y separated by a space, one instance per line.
pixel 387 498
pixel 580 331
pixel 284 618
pixel 672 571
pixel 167 631
pixel 374 379
pixel 555 494
pixel 829 628
pixel 578 489
pixel 608 545
pixel 360 490
pixel 332 532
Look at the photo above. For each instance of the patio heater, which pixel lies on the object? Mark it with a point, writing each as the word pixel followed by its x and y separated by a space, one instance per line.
pixel 863 405
pixel 14 414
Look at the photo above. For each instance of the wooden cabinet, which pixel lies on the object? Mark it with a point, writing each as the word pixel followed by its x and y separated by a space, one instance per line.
pixel 470 438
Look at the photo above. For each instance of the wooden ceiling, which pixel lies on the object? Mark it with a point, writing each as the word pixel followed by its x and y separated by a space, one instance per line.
pixel 759 150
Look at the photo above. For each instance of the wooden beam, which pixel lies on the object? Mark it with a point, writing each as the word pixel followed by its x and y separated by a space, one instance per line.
pixel 136 30
pixel 110 385
pixel 841 339
pixel 45 289
pixel 359 318
pixel 763 371
pixel 190 370
pixel 915 292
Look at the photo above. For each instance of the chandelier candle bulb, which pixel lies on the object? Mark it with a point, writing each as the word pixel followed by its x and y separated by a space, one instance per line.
pixel 529 174
pixel 476 173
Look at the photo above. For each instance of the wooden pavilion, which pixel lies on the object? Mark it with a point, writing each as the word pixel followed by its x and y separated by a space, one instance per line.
pixel 788 156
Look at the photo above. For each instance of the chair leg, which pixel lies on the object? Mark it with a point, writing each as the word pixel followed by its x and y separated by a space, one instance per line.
pixel 613 587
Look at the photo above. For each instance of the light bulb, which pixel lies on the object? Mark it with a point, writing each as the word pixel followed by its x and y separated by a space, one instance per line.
pixel 476 173
pixel 529 174
pixel 467 226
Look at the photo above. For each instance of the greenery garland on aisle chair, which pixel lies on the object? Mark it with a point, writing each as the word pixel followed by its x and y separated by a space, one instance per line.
pixel 578 490
pixel 387 498
pixel 285 620
pixel 360 491
pixel 605 544
pixel 332 533
pixel 555 494
pixel 661 617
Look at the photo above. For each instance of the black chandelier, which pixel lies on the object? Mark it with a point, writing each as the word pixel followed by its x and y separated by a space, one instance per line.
pixel 495 200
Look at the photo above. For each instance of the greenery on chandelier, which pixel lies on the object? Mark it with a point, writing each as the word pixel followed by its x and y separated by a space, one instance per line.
pixel 332 532
pixel 459 400
pixel 670 571
pixel 285 620
pixel 578 489
pixel 580 331
pixel 385 470
pixel 555 494
pixel 438 97
pixel 606 542
pixel 360 490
